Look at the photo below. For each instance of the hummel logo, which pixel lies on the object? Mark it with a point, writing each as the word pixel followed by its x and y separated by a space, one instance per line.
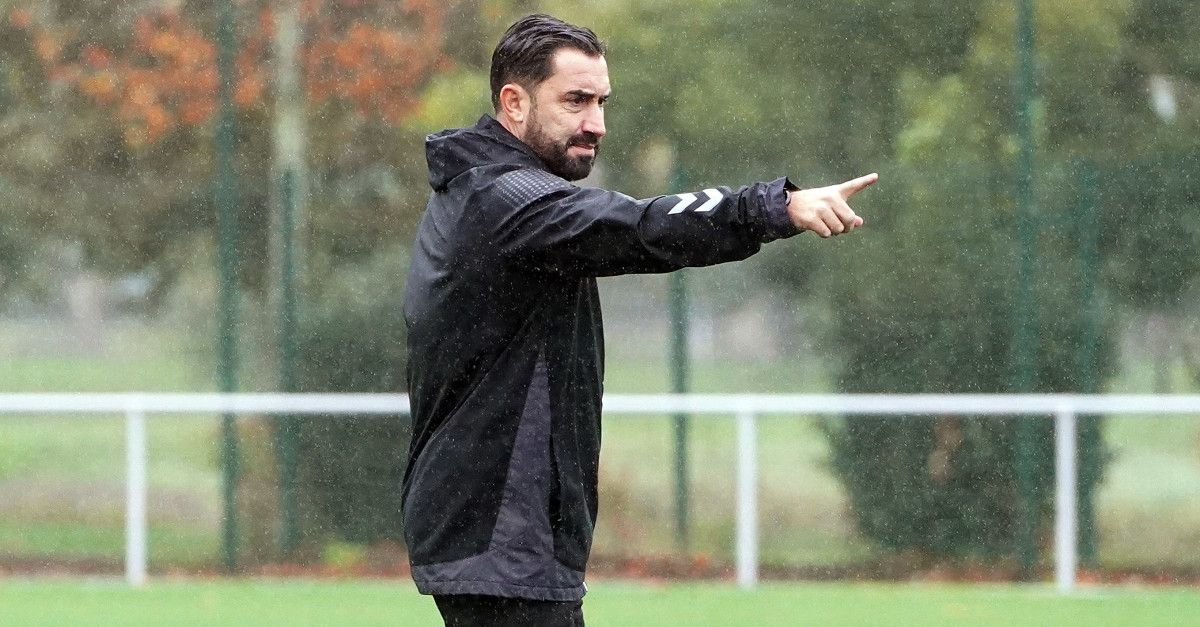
pixel 685 201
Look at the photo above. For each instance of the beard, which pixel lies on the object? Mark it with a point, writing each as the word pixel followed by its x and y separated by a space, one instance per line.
pixel 554 153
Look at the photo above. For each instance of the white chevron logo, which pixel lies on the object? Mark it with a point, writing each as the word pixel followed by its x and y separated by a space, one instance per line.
pixel 684 201
pixel 714 197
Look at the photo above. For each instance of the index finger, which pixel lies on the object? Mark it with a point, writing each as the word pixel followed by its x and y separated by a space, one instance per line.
pixel 854 186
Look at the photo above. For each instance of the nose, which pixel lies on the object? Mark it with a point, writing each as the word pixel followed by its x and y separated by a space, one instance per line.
pixel 594 122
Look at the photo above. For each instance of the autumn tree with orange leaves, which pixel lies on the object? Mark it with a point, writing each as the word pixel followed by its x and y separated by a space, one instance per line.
pixel 371 54
pixel 127 99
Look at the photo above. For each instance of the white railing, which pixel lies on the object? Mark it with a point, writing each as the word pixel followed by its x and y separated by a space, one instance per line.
pixel 745 407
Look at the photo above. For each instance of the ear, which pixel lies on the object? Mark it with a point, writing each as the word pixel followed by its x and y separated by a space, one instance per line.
pixel 514 102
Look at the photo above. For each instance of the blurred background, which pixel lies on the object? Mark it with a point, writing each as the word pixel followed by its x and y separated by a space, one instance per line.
pixel 1036 228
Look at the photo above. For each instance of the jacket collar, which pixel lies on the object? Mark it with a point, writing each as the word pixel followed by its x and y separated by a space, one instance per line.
pixel 451 152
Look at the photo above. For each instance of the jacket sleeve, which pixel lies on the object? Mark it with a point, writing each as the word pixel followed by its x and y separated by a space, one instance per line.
pixel 545 223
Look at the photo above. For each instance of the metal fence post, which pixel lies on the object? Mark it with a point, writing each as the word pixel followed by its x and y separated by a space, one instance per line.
pixel 1066 522
pixel 1025 335
pixel 679 385
pixel 1089 426
pixel 225 198
pixel 135 495
pixel 747 500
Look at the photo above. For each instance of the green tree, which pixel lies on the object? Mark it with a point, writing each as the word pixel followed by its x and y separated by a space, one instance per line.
pixel 924 297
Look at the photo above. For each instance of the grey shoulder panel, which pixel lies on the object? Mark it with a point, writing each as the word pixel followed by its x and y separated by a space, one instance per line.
pixel 521 187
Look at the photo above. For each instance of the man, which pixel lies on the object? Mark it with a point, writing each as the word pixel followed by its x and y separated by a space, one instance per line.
pixel 504 328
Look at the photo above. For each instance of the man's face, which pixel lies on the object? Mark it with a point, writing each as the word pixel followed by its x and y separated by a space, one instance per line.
pixel 566 119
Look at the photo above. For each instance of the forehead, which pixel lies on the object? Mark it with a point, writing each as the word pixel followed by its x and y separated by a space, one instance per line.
pixel 573 69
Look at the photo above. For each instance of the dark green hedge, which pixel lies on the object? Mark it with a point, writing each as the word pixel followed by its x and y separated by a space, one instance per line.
pixel 933 311
pixel 352 339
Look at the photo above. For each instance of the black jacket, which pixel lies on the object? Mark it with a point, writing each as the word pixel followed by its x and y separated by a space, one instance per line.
pixel 506 352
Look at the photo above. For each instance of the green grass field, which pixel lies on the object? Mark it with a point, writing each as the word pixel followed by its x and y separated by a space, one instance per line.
pixel 609 603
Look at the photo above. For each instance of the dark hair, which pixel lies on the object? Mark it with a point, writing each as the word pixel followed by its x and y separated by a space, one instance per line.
pixel 525 51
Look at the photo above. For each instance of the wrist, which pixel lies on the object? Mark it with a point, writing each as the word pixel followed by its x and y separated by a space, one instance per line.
pixel 775 209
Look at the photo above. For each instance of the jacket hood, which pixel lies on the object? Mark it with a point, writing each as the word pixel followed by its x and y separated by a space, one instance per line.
pixel 451 152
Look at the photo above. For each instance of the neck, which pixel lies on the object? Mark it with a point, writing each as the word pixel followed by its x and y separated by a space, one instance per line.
pixel 517 130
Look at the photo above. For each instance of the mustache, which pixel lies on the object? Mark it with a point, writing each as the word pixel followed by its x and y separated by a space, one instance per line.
pixel 584 139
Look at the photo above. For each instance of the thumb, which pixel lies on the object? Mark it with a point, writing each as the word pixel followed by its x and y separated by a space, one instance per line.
pixel 854 186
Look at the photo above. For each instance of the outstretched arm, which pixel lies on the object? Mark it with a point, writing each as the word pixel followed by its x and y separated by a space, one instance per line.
pixel 548 224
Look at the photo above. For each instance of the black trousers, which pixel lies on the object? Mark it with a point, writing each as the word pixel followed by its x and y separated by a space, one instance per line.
pixel 474 610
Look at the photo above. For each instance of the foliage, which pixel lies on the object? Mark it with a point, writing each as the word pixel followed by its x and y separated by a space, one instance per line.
pixel 1159 265
pixel 948 485
pixel 924 299
pixel 120 100
pixel 352 340
pixel 934 308
pixel 162 72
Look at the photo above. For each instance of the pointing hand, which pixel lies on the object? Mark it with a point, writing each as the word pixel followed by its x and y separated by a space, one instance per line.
pixel 823 210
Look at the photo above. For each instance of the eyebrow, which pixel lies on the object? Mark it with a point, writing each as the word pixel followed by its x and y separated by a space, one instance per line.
pixel 584 93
